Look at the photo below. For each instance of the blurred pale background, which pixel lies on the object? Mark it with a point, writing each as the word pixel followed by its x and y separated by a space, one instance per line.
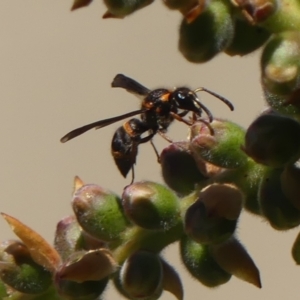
pixel 55 73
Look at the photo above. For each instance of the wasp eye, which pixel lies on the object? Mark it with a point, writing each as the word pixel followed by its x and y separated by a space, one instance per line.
pixel 180 95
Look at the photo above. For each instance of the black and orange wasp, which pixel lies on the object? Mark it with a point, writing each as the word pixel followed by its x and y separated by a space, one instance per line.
pixel 159 108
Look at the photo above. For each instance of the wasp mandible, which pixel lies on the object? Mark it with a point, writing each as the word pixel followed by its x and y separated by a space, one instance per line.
pixel 159 108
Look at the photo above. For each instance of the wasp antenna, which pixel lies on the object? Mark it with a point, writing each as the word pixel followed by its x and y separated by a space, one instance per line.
pixel 207 111
pixel 226 101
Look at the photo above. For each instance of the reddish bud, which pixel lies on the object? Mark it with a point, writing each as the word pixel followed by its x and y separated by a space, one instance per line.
pixel 213 217
pixel 179 168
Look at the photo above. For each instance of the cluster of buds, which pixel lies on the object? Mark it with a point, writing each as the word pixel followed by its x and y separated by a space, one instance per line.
pixel 220 170
pixel 209 27
pixel 214 174
pixel 121 238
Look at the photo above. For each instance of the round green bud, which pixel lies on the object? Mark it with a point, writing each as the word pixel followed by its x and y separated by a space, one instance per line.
pixel 151 205
pixel 99 212
pixel 221 149
pixel 209 34
pixel 247 38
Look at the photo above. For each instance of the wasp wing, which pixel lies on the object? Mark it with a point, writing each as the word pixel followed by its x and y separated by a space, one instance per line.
pixel 99 124
pixel 130 85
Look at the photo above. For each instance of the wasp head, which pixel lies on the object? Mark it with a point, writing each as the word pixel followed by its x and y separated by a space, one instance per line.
pixel 186 99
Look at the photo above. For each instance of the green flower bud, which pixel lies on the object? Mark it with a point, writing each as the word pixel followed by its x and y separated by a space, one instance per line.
pixel 123 8
pixel 234 259
pixel 209 34
pixel 179 168
pixel 199 262
pixel 20 272
pixel 273 140
pixel 99 212
pixel 274 205
pixel 141 276
pixel 247 38
pixel 151 205
pixel 222 148
pixel 213 217
pixel 280 65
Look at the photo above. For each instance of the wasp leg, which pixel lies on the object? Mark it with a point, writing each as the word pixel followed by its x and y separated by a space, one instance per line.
pixel 183 114
pixel 163 135
pixel 132 175
pixel 155 150
pixel 149 138
pixel 179 118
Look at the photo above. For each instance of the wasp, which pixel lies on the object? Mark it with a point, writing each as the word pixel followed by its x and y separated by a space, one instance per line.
pixel 159 108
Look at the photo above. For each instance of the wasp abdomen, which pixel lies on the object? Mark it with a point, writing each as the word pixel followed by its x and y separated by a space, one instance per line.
pixel 124 145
